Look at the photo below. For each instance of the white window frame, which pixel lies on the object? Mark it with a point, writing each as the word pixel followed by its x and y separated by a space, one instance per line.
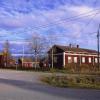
pixel 96 60
pixel 83 59
pixel 75 59
pixel 69 59
pixel 90 60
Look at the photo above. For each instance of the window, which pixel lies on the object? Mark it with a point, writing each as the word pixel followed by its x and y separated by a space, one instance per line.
pixel 90 60
pixel 96 60
pixel 83 59
pixel 75 59
pixel 69 60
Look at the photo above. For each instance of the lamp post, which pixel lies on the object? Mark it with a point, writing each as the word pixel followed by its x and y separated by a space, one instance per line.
pixel 52 57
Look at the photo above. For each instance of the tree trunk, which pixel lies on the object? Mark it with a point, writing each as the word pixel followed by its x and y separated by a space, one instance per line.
pixel 35 61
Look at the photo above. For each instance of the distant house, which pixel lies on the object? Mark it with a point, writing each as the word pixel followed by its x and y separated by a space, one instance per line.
pixel 29 63
pixel 1 60
pixel 12 62
pixel 6 61
pixel 60 56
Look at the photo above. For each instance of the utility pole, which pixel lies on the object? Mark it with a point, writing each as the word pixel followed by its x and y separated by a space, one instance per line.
pixel 98 36
pixel 23 56
pixel 52 57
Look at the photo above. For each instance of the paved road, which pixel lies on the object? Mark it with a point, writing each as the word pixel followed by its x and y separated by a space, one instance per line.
pixel 18 85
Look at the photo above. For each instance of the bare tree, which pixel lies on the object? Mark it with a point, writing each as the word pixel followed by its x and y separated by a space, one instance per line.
pixel 41 44
pixel 6 53
pixel 38 47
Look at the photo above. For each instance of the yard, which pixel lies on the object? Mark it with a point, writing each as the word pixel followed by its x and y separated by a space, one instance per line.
pixel 25 85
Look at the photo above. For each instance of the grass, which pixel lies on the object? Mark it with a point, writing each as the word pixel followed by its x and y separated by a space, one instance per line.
pixel 65 71
pixel 76 82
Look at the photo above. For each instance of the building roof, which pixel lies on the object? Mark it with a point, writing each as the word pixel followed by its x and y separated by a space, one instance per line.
pixel 75 49
pixel 27 60
pixel 1 53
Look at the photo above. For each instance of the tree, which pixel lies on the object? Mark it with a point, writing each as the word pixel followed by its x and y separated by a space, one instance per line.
pixel 7 54
pixel 38 47
pixel 41 44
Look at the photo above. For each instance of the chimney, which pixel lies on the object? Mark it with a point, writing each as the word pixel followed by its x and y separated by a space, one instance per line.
pixel 77 46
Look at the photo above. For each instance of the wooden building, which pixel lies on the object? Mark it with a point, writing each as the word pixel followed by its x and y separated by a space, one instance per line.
pixel 59 56
pixel 6 60
pixel 1 60
pixel 29 63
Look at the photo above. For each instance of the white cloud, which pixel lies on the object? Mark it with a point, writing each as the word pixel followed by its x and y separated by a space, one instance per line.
pixel 81 9
pixel 55 21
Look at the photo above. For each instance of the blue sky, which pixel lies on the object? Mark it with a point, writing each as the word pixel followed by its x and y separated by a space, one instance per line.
pixel 66 21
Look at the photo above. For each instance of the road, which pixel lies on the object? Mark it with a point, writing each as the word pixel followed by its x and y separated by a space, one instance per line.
pixel 20 85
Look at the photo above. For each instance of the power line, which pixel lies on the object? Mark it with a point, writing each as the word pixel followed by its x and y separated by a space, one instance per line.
pixel 88 22
pixel 74 18
pixel 28 40
pixel 98 35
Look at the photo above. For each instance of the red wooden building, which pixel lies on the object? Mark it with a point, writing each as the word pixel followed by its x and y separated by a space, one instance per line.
pixel 1 60
pixel 59 56
pixel 29 63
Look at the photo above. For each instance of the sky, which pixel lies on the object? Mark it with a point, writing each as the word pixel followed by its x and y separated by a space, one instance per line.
pixel 66 21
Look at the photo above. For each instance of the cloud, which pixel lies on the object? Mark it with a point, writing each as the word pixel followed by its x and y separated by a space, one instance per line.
pixel 38 18
pixel 21 19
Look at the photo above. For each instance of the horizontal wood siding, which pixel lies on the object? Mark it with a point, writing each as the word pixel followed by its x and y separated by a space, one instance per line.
pixel 58 53
pixel 59 63
pixel 79 59
pixel 72 56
